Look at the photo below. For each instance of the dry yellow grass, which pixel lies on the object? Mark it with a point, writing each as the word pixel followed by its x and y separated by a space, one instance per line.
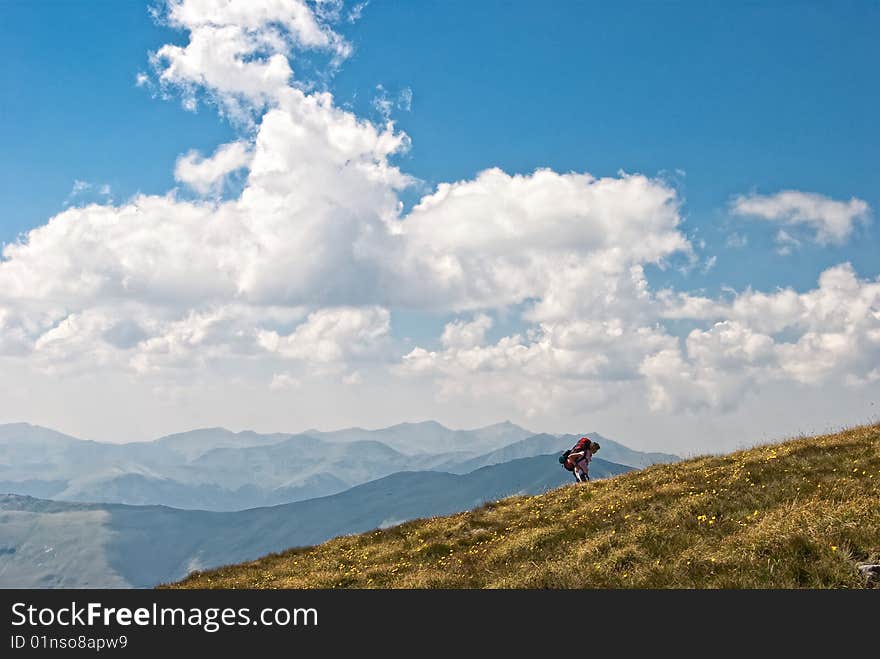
pixel 800 514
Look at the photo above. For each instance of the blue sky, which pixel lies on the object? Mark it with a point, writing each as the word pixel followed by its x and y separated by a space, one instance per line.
pixel 713 101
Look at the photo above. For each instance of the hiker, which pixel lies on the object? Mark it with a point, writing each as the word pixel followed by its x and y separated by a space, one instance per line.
pixel 577 460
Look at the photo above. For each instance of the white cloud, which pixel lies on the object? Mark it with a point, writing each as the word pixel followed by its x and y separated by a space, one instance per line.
pixel 571 241
pixel 238 49
pixel 154 249
pixel 357 11
pixel 676 385
pixel 301 24
pixel 786 243
pixel 206 175
pixel 385 104
pixel 79 187
pixel 294 280
pixel 202 337
pixel 578 362
pixel 333 336
pixel 829 335
pixel 404 99
pixel 461 334
pixel 318 227
pixel 382 104
pixel 308 231
pixel 833 221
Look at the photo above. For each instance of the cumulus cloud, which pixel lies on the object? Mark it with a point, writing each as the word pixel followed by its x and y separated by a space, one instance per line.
pixel 580 362
pixel 205 175
pixel 332 336
pixel 299 274
pixel 461 334
pixel 828 334
pixel 831 220
pixel 238 49
pixel 307 231
pixel 570 241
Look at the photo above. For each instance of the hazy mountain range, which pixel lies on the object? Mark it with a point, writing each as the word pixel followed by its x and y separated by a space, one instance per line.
pixel 141 513
pixel 216 469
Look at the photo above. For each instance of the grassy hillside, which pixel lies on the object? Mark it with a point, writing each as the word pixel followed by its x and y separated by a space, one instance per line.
pixel 46 544
pixel 797 514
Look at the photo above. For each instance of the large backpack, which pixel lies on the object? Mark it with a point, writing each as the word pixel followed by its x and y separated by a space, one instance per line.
pixel 563 460
pixel 583 443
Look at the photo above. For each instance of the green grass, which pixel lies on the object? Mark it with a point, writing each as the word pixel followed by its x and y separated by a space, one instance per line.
pixel 800 514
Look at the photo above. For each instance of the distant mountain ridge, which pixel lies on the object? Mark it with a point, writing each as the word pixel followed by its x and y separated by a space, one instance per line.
pixel 433 437
pixel 217 469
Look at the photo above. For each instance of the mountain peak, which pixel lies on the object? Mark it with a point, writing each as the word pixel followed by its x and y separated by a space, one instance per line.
pixel 507 423
pixel 430 423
